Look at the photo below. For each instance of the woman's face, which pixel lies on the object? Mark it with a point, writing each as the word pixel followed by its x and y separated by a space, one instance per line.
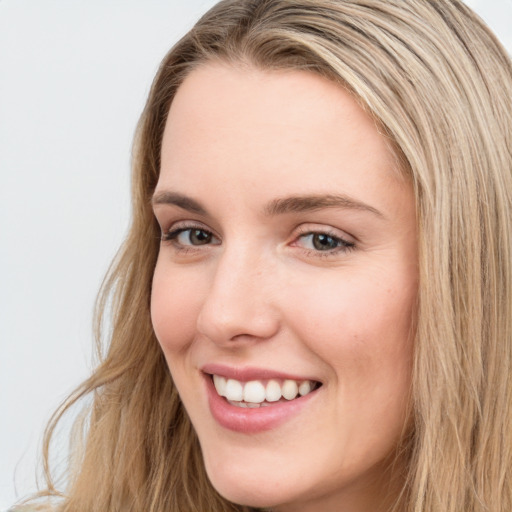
pixel 288 272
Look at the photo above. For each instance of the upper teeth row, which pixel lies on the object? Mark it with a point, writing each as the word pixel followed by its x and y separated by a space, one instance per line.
pixel 255 391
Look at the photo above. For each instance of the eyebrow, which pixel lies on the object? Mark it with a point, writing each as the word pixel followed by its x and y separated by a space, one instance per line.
pixel 280 206
pixel 297 204
pixel 180 200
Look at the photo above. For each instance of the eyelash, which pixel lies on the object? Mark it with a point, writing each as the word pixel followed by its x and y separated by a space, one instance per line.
pixel 172 236
pixel 342 246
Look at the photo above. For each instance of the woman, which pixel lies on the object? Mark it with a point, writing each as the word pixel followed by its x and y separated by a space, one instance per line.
pixel 311 311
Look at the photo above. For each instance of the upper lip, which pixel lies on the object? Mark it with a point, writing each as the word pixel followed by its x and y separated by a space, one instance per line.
pixel 247 373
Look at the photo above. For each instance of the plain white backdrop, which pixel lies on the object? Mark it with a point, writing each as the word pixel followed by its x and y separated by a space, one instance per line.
pixel 74 75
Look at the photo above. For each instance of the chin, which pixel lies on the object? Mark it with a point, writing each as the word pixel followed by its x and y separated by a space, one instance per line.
pixel 252 490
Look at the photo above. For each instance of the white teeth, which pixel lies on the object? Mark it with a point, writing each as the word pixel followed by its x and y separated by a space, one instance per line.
pixel 254 393
pixel 234 390
pixel 220 384
pixel 273 391
pixel 305 388
pixel 249 405
pixel 290 389
pixel 239 404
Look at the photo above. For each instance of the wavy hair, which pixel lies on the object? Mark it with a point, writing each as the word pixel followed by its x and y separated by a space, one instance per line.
pixel 439 86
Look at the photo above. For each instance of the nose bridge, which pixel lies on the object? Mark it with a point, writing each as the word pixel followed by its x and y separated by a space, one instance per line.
pixel 238 305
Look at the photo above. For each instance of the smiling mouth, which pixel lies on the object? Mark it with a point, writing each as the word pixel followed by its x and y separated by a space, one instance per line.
pixel 261 393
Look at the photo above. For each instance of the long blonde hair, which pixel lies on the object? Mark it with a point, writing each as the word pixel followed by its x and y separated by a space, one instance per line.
pixel 439 86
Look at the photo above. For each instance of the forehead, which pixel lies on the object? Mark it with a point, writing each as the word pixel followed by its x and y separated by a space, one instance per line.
pixel 280 131
pixel 249 105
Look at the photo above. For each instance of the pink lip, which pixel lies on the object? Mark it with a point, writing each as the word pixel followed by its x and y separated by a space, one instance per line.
pixel 250 373
pixel 245 420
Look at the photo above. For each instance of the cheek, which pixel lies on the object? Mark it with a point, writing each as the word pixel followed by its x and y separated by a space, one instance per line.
pixel 362 332
pixel 359 325
pixel 175 304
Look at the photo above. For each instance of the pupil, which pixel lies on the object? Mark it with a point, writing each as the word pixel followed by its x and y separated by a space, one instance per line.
pixel 324 242
pixel 199 237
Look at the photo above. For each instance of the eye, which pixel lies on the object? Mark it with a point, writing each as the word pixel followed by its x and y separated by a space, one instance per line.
pixel 190 236
pixel 323 242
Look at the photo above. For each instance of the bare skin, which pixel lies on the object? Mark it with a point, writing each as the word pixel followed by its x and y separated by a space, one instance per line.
pixel 289 245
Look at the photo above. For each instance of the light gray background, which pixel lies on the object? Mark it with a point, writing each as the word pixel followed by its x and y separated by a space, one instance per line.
pixel 74 75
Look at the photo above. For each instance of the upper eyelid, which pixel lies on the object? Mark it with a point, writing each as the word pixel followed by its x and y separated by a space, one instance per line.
pixel 186 224
pixel 345 243
pixel 187 227
pixel 301 230
pixel 327 230
pixel 171 235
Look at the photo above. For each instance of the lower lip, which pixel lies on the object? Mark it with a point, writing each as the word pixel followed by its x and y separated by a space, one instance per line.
pixel 250 421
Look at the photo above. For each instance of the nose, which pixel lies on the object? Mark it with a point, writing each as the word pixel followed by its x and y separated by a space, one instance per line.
pixel 239 306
